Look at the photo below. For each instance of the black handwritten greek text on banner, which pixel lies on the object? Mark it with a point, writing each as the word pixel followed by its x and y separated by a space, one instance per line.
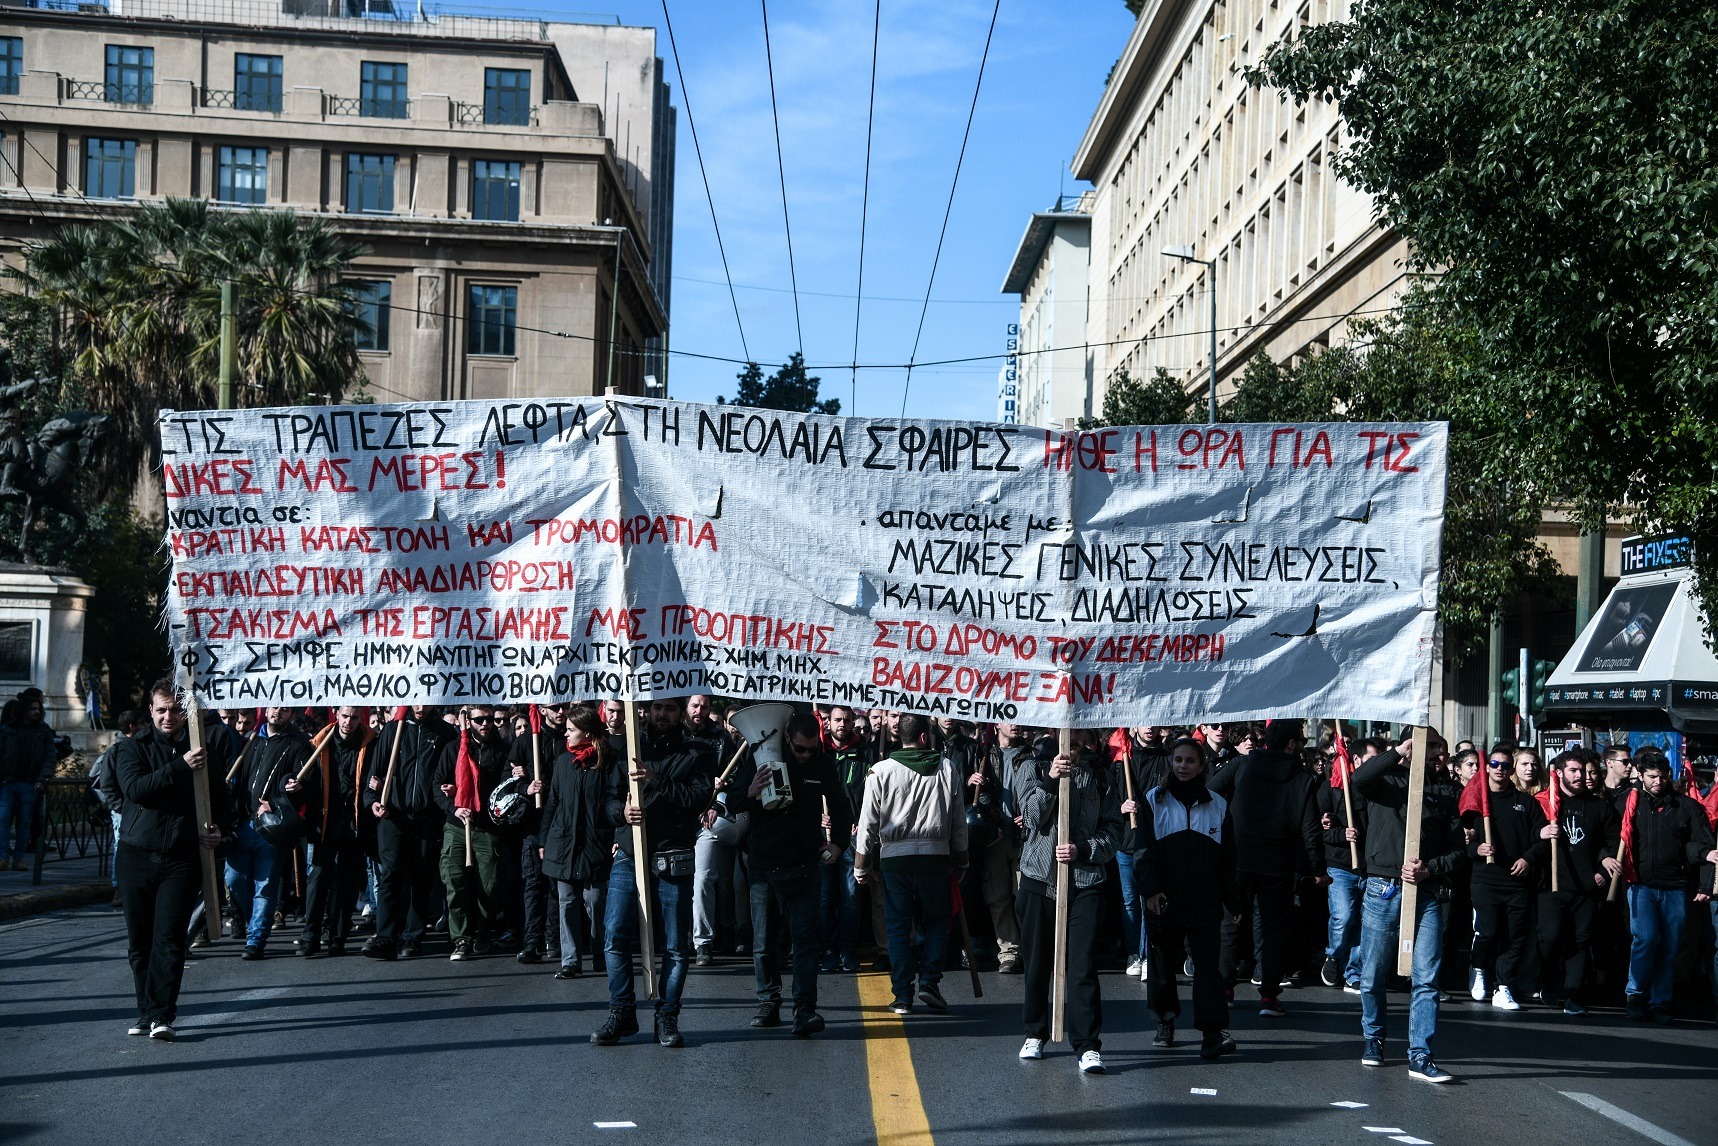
pixel 484 550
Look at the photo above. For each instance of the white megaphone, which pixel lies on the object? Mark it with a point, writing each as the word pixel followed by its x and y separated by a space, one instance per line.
pixel 764 727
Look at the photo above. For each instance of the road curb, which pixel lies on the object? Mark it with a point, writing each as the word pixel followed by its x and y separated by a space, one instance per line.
pixel 53 899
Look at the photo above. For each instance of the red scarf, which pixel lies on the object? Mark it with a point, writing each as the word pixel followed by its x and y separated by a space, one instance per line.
pixel 585 755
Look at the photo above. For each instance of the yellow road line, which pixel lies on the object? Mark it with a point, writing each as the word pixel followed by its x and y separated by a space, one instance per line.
pixel 896 1108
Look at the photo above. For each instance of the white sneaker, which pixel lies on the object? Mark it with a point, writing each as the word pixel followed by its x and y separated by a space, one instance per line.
pixel 1503 1000
pixel 1144 970
pixel 1476 985
pixel 1133 968
pixel 140 1027
pixel 161 1031
pixel 1032 1049
pixel 1091 1063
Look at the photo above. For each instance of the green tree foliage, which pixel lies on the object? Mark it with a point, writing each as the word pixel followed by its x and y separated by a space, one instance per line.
pixel 1157 401
pixel 136 301
pixel 789 388
pixel 1554 164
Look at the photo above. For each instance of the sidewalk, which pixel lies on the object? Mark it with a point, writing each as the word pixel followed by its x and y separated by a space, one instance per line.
pixel 69 882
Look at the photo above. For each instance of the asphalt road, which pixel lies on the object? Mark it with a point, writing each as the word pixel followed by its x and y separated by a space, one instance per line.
pixel 427 1051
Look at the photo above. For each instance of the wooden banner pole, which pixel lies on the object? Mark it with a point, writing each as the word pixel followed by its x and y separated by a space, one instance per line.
pixel 1064 888
pixel 1409 927
pixel 1127 778
pixel 537 759
pixel 205 812
pixel 641 860
pixel 1617 883
pixel 317 744
pixel 393 758
pixel 1348 802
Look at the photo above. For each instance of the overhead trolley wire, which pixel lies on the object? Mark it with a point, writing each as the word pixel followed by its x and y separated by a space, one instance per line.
pixel 781 170
pixel 864 214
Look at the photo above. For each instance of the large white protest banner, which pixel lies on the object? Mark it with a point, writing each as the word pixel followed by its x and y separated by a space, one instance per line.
pixel 440 553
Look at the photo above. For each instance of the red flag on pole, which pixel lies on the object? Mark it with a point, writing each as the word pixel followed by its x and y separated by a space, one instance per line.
pixel 1551 799
pixel 401 712
pixel 1343 766
pixel 1710 803
pixel 535 715
pixel 465 779
pixel 1121 746
pixel 1629 873
pixel 1476 797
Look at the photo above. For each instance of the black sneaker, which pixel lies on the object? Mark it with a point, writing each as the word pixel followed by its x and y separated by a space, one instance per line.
pixel 1331 974
pixel 702 958
pixel 1635 1008
pixel 1421 1068
pixel 336 948
pixel 251 954
pixel 1165 1036
pixel 461 951
pixel 807 1023
pixel 412 948
pixel 668 1031
pixel 1373 1055
pixel 529 955
pixel 1216 1044
pixel 902 1005
pixel 1660 1015
pixel 379 948
pixel 769 1015
pixel 568 971
pixel 621 1022
pixel 1270 1007
pixel 309 946
pixel 933 998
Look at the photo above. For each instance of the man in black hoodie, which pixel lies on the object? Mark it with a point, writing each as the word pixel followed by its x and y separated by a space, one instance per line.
pixel 336 861
pixel 1584 843
pixel 1511 854
pixel 1671 846
pixel 538 751
pixel 473 890
pixel 157 859
pixel 1273 799
pixel 408 831
pixel 786 850
pixel 677 775
pixel 269 762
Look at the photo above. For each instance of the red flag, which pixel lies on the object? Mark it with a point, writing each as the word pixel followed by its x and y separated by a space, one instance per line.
pixel 535 715
pixel 465 779
pixel 1121 745
pixel 1551 799
pixel 1629 873
pixel 1690 787
pixel 1710 803
pixel 401 712
pixel 1476 797
pixel 1343 766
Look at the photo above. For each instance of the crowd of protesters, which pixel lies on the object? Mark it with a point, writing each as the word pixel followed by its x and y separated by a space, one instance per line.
pixel 1215 855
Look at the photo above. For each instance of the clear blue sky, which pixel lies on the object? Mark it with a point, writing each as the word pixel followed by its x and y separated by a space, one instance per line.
pixel 1044 77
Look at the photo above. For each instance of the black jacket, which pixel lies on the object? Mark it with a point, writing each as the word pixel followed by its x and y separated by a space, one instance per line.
pixel 1671 839
pixel 577 843
pixel 792 836
pixel 266 764
pixel 333 786
pixel 852 767
pixel 160 800
pixel 551 742
pixel 674 802
pixel 1383 783
pixel 1273 800
pixel 28 753
pixel 492 768
pixel 1336 851
pixel 412 796
pixel 1516 819
pixel 1591 830
pixel 1187 852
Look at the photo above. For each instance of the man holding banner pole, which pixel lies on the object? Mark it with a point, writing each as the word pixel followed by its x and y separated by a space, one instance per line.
pixel 534 755
pixel 470 769
pixel 401 783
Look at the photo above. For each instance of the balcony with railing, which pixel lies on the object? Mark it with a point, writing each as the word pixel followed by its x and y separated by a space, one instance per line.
pixel 366 16
pixel 135 95
pixel 490 115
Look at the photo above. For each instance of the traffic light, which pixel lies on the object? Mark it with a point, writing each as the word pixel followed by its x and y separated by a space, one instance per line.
pixel 1542 671
pixel 1511 687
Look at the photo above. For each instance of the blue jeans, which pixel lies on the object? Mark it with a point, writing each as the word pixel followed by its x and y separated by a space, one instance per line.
pixel 1380 924
pixel 838 917
pixel 1133 932
pixel 17 804
pixel 903 894
pixel 620 923
pixel 1656 916
pixel 1346 890
pixel 250 880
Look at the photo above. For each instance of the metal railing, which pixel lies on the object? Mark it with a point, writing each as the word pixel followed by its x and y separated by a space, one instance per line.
pixel 137 95
pixel 404 16
pixel 468 114
pixel 69 818
pixel 369 108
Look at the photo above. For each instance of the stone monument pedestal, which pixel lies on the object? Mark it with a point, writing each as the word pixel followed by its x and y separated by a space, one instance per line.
pixel 42 613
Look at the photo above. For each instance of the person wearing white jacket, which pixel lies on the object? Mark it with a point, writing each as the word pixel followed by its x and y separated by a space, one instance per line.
pixel 912 827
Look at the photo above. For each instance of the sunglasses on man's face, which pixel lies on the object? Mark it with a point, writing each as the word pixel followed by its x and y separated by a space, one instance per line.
pixel 1497 763
pixel 482 719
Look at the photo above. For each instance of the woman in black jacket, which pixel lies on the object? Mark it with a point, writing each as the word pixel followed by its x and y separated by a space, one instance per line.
pixel 1184 864
pixel 577 847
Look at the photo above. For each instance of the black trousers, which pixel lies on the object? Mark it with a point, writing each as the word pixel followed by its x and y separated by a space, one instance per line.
pixel 1273 897
pixel 1085 1006
pixel 158 894
pixel 1499 930
pixel 408 882
pixel 336 871
pixel 785 906
pixel 540 931
pixel 1204 943
pixel 1566 921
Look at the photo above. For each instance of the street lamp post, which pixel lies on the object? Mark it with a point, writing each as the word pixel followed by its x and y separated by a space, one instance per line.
pixel 1185 254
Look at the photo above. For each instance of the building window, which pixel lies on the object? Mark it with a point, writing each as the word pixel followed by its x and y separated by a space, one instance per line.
pixel 372 305
pixel 11 64
pixel 110 168
pixel 382 91
pixel 507 96
pixel 369 184
pixel 243 175
pixel 130 75
pixel 495 190
pixel 490 317
pixel 256 82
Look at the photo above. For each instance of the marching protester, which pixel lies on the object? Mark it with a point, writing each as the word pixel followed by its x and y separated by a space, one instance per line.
pixel 912 828
pixel 1095 832
pixel 1382 782
pixel 536 751
pixel 471 840
pixel 1184 860
pixel 158 861
pixel 1342 842
pixel 264 785
pixel 1273 799
pixel 336 858
pixel 1143 754
pixel 577 841
pixel 675 775
pixel 1504 822
pixel 1001 860
pixel 1667 843
pixel 715 902
pixel 842 899
pixel 401 789
pixel 1583 832
pixel 786 850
